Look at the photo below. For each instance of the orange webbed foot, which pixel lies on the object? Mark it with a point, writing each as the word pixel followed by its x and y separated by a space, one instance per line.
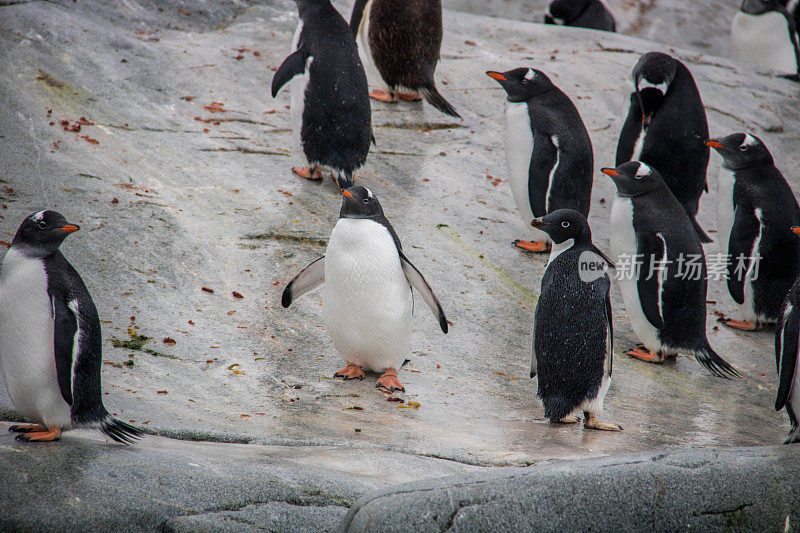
pixel 27 428
pixel 742 325
pixel 389 381
pixel 536 246
pixel 351 371
pixel 307 173
pixel 383 96
pixel 47 435
pixel 643 354
pixel 410 97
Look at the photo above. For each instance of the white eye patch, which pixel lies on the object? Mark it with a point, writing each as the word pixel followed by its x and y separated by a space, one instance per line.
pixel 369 193
pixel 530 75
pixel 749 140
pixel 643 171
pixel 38 216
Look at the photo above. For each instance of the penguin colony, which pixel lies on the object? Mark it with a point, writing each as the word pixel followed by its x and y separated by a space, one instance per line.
pixel 50 340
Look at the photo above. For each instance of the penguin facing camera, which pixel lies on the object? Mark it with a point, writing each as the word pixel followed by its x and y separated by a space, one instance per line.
pixel 573 363
pixel 764 34
pixel 592 14
pixel 399 43
pixel 787 344
pixel 666 127
pixel 329 95
pixel 764 256
pixel 549 155
pixel 665 290
pixel 367 292
pixel 50 340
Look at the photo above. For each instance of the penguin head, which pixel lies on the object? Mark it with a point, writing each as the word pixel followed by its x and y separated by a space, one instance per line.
pixel 359 202
pixel 741 150
pixel 652 76
pixel 565 11
pixel 759 7
pixel 42 232
pixel 522 84
pixel 564 224
pixel 634 178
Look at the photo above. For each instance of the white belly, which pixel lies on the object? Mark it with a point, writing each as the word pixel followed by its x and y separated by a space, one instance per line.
pixel 519 147
pixel 26 342
pixel 365 52
pixel 763 41
pixel 725 184
pixel 623 248
pixel 366 298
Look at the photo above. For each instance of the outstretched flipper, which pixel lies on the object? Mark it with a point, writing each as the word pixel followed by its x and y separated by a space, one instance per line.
pixel 292 66
pixel 307 280
pixel 417 281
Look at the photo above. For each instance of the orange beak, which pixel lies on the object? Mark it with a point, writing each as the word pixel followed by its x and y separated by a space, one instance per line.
pixel 496 75
pixel 348 194
pixel 609 172
pixel 70 228
pixel 714 144
pixel 796 230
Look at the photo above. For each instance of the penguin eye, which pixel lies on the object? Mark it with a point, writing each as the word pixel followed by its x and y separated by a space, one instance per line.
pixel 565 224
pixel 42 225
pixel 743 148
pixel 366 200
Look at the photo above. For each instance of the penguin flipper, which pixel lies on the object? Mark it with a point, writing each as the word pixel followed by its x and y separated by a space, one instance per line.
pixel 651 250
pixel 307 280
pixel 292 66
pixel 534 362
pixel 609 361
pixel 357 15
pixel 432 95
pixel 787 336
pixel 543 159
pixel 417 281
pixel 64 339
pixel 630 131
pixel 744 233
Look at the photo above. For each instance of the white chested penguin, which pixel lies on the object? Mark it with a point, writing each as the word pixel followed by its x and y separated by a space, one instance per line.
pixel 664 286
pixel 548 151
pixel 367 291
pixel 592 14
pixel 787 345
pixel 399 43
pixel 330 99
pixel 764 255
pixel 573 363
pixel 666 127
pixel 764 33
pixel 50 344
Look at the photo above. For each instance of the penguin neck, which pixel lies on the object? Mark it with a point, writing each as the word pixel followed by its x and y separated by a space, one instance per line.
pixel 30 251
pixel 559 248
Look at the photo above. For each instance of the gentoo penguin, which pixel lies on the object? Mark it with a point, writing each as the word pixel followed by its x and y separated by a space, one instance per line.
pixel 664 282
pixel 573 363
pixel 50 345
pixel 330 99
pixel 763 33
pixel 548 151
pixel 764 255
pixel 367 291
pixel 399 43
pixel 592 14
pixel 666 127
pixel 787 344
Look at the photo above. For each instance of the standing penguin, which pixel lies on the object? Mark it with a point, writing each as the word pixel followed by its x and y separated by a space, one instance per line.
pixel 50 345
pixel 573 363
pixel 400 41
pixel 592 14
pixel 764 33
pixel 330 100
pixel 665 291
pixel 548 151
pixel 764 255
pixel 666 127
pixel 367 296
pixel 787 345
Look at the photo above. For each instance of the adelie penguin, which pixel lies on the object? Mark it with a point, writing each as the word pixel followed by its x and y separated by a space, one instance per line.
pixel 548 151
pixel 50 342
pixel 591 14
pixel 399 42
pixel 573 363
pixel 367 291
pixel 764 34
pixel 787 345
pixel 755 217
pixel 666 127
pixel 329 101
pixel 664 281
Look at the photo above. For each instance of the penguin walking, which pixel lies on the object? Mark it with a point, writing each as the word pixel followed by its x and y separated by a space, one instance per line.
pixel 592 14
pixel 787 344
pixel 549 155
pixel 764 33
pixel 399 43
pixel 764 256
pixel 330 101
pixel 666 127
pixel 50 344
pixel 367 292
pixel 574 363
pixel 664 283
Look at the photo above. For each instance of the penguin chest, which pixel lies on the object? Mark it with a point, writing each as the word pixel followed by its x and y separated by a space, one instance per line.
pixel 26 341
pixel 366 298
pixel 763 41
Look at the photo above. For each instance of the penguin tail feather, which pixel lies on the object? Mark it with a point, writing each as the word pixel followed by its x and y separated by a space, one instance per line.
pixel 556 408
pixel 715 364
pixel 794 435
pixel 120 431
pixel 431 94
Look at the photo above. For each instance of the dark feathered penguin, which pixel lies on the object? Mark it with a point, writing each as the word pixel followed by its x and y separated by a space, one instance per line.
pixel 50 344
pixel 399 42
pixel 573 363
pixel 764 33
pixel 330 100
pixel 666 127
pixel 787 344
pixel 592 14
pixel 764 255
pixel 664 280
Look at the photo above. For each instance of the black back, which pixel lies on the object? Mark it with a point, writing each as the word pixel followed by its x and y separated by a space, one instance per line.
pixel 591 14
